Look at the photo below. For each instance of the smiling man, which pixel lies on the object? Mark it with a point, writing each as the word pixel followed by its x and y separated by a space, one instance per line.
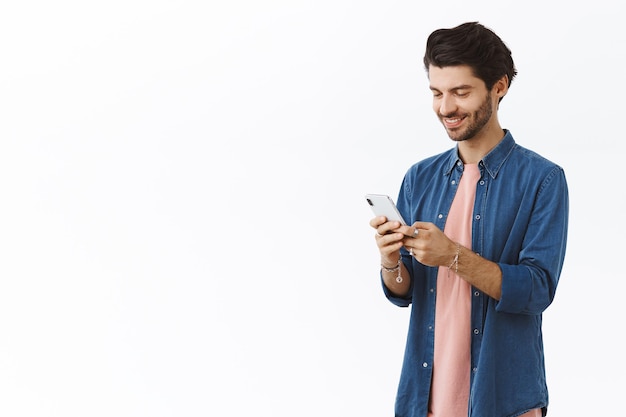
pixel 482 256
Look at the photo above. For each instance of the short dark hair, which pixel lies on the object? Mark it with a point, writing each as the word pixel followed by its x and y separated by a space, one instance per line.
pixel 474 45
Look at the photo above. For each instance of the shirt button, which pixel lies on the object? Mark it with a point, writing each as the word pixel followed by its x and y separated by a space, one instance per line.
pixel 474 369
pixel 477 217
pixel 476 331
pixel 476 293
pixel 482 182
pixel 453 182
pixel 432 290
pixel 440 216
pixel 425 365
pixel 458 163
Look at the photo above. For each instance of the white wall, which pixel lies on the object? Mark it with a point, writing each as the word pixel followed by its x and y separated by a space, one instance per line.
pixel 182 223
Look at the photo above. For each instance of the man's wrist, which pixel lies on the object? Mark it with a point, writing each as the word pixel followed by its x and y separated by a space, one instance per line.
pixel 454 265
pixel 384 263
pixel 397 268
pixel 390 269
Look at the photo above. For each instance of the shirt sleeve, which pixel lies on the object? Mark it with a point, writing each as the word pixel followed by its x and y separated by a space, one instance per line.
pixel 529 286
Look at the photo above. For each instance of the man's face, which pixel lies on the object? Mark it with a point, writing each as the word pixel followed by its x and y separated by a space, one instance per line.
pixel 460 100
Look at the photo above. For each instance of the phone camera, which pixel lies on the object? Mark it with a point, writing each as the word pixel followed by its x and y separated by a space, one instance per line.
pixel 370 202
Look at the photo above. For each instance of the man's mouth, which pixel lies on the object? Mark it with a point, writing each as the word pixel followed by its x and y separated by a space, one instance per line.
pixel 452 122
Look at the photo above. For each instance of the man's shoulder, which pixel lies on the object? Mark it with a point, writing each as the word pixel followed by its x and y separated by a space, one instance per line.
pixel 526 166
pixel 517 157
pixel 533 158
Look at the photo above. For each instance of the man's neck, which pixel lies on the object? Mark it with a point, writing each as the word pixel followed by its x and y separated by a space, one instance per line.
pixel 473 150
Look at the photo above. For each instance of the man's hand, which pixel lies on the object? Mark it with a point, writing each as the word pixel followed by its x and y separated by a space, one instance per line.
pixel 388 239
pixel 429 245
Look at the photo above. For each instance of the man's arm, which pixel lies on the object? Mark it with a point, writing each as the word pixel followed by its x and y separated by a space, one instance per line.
pixel 478 271
pixel 433 248
pixel 399 287
pixel 389 244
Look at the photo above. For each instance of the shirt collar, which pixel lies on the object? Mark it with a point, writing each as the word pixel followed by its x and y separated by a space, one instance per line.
pixel 493 161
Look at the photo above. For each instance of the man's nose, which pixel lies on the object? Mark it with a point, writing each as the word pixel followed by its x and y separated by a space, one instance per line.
pixel 447 105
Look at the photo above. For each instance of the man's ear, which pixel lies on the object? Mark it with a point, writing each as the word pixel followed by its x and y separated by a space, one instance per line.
pixel 501 87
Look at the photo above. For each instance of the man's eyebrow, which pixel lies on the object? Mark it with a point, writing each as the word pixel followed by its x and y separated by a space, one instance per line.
pixel 460 87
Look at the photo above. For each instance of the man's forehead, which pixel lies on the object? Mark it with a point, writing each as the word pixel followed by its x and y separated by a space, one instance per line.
pixel 451 77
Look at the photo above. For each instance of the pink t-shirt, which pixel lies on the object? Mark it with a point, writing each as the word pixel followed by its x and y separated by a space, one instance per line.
pixel 451 365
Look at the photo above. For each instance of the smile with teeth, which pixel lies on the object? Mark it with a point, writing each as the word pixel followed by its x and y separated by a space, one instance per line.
pixel 452 121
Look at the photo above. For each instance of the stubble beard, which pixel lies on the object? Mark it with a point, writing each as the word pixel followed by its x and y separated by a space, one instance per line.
pixel 479 120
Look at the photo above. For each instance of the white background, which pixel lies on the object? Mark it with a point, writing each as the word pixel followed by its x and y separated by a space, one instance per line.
pixel 182 224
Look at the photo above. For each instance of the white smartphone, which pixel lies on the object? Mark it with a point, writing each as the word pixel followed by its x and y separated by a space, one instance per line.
pixel 383 205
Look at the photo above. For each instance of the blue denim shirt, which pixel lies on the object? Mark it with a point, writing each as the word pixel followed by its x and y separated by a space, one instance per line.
pixel 520 222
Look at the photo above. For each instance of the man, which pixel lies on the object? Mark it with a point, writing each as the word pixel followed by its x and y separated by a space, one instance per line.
pixel 482 258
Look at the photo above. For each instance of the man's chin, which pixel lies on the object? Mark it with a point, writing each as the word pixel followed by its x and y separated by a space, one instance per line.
pixel 455 135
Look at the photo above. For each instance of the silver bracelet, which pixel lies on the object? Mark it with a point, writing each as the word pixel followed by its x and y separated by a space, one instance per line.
pixel 394 269
pixel 455 261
